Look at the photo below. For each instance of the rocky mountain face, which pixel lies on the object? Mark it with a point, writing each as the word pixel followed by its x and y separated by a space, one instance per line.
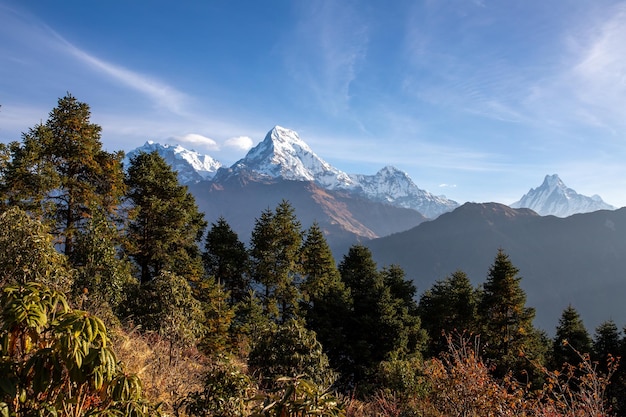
pixel 578 260
pixel 191 166
pixel 553 197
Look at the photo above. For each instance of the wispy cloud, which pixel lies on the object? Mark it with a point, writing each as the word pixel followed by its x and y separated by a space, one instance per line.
pixel 39 39
pixel 599 77
pixel 162 94
pixel 325 52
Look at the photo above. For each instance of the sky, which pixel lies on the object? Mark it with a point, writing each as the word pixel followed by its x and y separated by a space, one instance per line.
pixel 477 100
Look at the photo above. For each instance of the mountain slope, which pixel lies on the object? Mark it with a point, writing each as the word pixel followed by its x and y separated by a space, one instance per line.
pixel 191 166
pixel 578 260
pixel 553 197
pixel 344 218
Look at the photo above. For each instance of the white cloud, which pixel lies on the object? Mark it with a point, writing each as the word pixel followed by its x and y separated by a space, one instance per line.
pixel 196 140
pixel 447 185
pixel 242 143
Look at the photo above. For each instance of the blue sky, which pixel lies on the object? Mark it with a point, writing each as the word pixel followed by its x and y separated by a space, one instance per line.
pixel 477 100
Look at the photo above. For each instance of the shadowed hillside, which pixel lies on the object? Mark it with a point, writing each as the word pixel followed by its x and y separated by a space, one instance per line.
pixel 578 260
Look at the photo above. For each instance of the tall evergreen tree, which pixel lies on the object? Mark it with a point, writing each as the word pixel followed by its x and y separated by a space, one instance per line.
pixel 326 300
pixel 165 226
pixel 61 172
pixel 571 339
pixel 227 260
pixel 380 323
pixel 606 343
pixel 276 241
pixel 507 330
pixel 319 269
pixel 449 306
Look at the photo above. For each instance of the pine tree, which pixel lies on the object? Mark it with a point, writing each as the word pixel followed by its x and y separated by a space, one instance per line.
pixel 449 306
pixel 319 269
pixel 571 339
pixel 381 324
pixel 276 241
pixel 326 300
pixel 507 330
pixel 606 343
pixel 61 172
pixel 226 260
pixel 165 225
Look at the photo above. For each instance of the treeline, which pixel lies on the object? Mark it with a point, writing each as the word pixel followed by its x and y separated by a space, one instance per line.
pixel 96 256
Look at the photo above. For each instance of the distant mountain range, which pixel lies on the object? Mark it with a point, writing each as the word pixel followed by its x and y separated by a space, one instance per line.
pixel 282 155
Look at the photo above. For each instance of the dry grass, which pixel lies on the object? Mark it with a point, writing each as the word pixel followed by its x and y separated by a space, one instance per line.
pixel 169 373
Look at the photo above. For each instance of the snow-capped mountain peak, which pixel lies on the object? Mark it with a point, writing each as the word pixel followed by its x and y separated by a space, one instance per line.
pixel 282 154
pixel 553 197
pixel 191 166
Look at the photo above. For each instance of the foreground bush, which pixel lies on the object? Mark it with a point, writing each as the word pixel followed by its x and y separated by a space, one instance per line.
pixel 59 361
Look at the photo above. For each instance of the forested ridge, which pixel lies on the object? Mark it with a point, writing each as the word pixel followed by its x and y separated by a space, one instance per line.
pixel 119 299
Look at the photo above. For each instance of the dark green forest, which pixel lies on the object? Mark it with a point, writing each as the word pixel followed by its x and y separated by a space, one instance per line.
pixel 120 299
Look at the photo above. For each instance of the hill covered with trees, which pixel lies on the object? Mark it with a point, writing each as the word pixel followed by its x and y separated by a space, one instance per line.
pixel 118 298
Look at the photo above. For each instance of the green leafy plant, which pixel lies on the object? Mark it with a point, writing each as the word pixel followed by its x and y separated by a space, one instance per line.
pixel 297 397
pixel 59 361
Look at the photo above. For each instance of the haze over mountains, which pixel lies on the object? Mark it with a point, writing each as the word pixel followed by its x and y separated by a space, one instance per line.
pixel 564 258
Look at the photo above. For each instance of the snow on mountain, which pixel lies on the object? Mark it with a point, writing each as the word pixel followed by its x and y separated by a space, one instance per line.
pixel 395 187
pixel 282 154
pixel 191 166
pixel 553 197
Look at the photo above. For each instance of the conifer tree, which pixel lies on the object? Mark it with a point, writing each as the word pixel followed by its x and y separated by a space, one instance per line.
pixel 380 323
pixel 449 306
pixel 61 172
pixel 571 339
pixel 319 269
pixel 606 342
pixel 165 226
pixel 226 260
pixel 276 241
pixel 606 349
pixel 507 330
pixel 326 300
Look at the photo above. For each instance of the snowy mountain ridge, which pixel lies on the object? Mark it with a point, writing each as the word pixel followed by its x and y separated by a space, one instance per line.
pixel 191 166
pixel 553 197
pixel 282 154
